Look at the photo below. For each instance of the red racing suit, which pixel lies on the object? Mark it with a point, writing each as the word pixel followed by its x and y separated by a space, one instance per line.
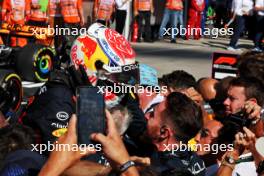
pixel 194 18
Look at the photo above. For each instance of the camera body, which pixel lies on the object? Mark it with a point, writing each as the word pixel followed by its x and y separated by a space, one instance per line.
pixel 240 118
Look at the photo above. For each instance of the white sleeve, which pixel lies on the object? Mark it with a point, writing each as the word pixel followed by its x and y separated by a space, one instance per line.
pixel 119 3
pixel 237 6
pixel 245 169
pixel 233 6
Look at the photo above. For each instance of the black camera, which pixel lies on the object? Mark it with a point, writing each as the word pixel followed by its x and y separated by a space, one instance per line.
pixel 240 118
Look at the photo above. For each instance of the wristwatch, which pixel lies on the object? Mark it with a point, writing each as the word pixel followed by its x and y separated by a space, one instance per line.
pixel 260 168
pixel 230 160
pixel 127 165
pixel 254 122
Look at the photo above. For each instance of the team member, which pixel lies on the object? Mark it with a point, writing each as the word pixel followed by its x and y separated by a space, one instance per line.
pixel 241 11
pixel 73 18
pixel 55 20
pixel 121 12
pixel 16 12
pixel 143 8
pixel 259 7
pixel 195 16
pixel 221 13
pixel 173 11
pixel 72 12
pixel 167 126
pixel 38 17
pixel 103 10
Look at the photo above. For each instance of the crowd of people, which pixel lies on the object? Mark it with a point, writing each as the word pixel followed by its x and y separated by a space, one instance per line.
pixel 204 127
pixel 220 121
pixel 244 17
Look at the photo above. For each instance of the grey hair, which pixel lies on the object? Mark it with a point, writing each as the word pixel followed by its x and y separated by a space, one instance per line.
pixel 122 118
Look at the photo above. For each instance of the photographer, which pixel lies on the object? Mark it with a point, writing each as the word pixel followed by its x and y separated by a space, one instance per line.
pixel 245 99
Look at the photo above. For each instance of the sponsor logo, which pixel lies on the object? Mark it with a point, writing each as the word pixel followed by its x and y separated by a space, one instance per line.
pixel 57 125
pixel 112 56
pixel 62 115
pixel 59 132
pixel 115 69
pixel 226 60
pixel 130 67
pixel 42 90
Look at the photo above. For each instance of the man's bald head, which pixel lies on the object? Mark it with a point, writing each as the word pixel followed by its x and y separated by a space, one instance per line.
pixel 207 88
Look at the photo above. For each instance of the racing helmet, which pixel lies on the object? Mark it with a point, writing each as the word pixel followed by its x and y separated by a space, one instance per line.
pixel 101 45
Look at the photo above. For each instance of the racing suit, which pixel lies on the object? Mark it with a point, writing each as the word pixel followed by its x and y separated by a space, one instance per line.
pixel 194 19
pixel 103 10
pixel 16 12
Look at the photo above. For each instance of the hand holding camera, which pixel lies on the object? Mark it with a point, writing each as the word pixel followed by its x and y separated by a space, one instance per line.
pixel 247 116
pixel 253 110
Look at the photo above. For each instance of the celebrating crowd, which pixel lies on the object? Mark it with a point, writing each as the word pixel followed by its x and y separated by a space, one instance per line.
pixel 243 17
pixel 204 127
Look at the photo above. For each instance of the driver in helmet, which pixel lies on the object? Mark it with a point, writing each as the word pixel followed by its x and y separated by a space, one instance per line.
pixel 57 96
